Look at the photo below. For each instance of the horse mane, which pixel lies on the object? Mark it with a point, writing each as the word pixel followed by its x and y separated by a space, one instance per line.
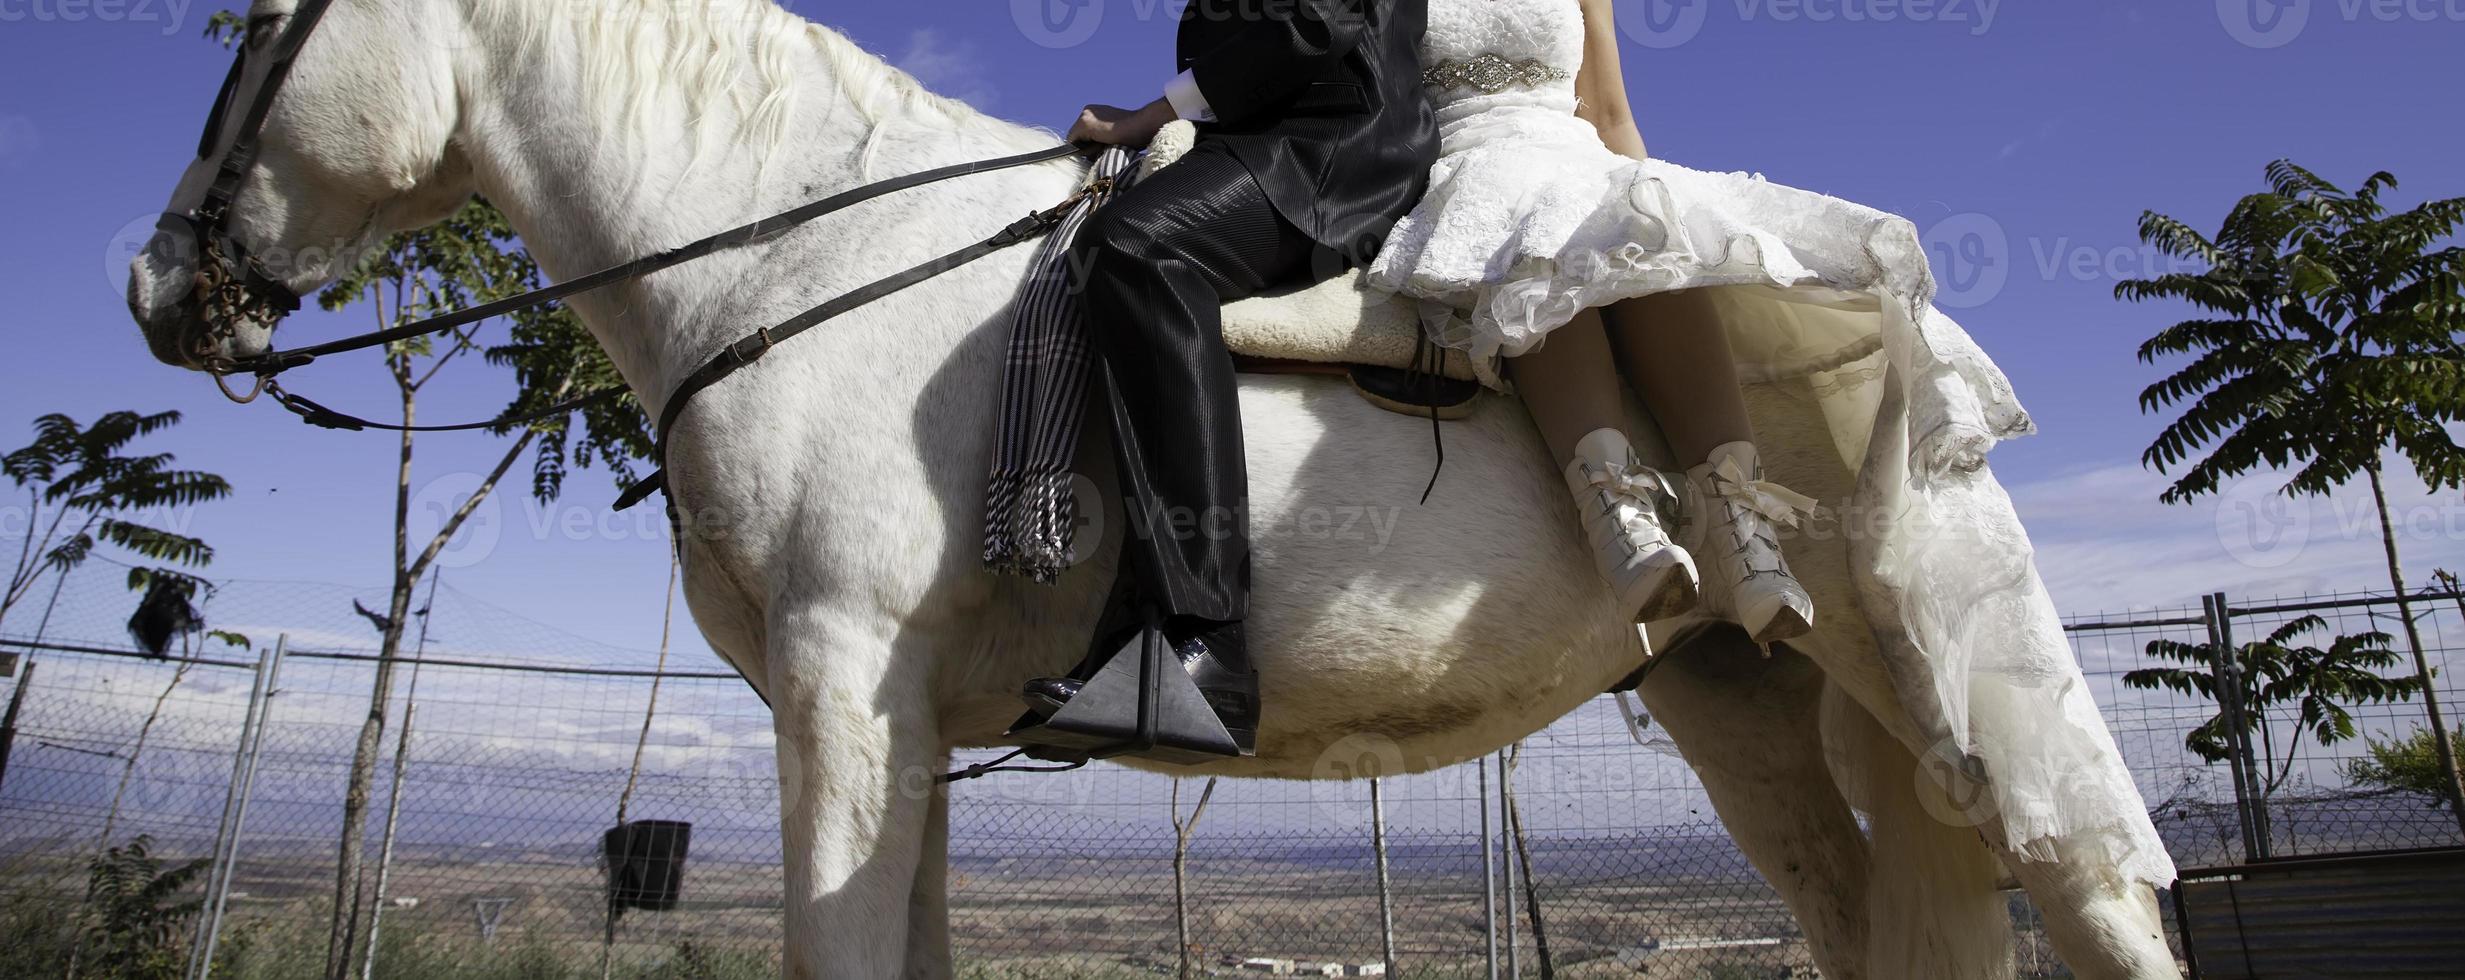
pixel 741 51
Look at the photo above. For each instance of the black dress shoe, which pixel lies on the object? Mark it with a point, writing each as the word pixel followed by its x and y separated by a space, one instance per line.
pixel 1217 661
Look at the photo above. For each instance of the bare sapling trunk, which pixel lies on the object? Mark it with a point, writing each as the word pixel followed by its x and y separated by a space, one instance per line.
pixel 1523 861
pixel 342 934
pixel 1182 829
pixel 2441 745
pixel 128 768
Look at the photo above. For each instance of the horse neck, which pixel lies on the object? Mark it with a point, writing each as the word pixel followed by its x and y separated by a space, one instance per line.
pixel 586 192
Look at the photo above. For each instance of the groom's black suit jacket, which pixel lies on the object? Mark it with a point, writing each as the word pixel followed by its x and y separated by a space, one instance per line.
pixel 1322 101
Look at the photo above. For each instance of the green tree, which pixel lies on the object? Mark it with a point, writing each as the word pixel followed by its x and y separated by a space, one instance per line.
pixel 2409 764
pixel 137 932
pixel 85 494
pixel 99 498
pixel 2332 336
pixel 2320 684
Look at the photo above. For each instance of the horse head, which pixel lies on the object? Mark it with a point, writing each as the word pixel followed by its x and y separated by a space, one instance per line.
pixel 359 104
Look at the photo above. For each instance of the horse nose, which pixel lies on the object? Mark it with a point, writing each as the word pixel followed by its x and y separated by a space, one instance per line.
pixel 165 310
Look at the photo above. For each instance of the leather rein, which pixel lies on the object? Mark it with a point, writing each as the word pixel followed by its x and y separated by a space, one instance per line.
pixel 234 286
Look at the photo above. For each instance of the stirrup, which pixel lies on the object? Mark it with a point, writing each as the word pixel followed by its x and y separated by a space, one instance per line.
pixel 1144 705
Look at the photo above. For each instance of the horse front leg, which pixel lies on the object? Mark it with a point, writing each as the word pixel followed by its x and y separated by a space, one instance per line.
pixel 1749 728
pixel 857 743
pixel 928 905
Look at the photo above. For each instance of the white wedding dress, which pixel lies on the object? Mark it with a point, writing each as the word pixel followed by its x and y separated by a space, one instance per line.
pixel 1529 219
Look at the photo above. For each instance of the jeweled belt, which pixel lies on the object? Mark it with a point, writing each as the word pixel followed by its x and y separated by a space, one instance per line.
pixel 1492 73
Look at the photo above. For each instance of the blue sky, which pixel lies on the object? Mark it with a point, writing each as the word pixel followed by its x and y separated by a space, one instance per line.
pixel 2027 139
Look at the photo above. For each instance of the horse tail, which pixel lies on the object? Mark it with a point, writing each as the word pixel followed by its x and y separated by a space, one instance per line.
pixel 1931 894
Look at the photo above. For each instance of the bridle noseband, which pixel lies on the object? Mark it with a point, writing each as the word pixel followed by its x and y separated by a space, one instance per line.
pixel 233 287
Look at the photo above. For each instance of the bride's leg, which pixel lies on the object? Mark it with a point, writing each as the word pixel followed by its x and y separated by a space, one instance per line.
pixel 1674 349
pixel 1570 385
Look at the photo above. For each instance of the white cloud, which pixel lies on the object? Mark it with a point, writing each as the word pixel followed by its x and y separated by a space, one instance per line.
pixel 949 68
pixel 2105 543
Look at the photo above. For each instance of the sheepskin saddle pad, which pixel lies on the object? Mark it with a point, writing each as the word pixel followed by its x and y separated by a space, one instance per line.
pixel 1339 323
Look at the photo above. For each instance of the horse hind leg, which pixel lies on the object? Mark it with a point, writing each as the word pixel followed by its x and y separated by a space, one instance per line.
pixel 1747 726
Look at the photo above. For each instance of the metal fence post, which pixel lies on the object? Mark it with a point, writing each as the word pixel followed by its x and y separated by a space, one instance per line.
pixel 8 724
pixel 1489 868
pixel 393 821
pixel 235 808
pixel 1506 856
pixel 2262 826
pixel 1386 902
pixel 2222 676
pixel 2225 679
pixel 2226 674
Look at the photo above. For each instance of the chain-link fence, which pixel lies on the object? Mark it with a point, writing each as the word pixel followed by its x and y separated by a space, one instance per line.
pixel 522 740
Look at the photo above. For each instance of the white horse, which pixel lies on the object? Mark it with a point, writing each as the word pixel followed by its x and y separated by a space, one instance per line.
pixel 832 492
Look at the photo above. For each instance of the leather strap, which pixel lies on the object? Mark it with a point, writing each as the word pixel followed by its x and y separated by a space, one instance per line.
pixel 276 362
pixel 326 418
pixel 266 366
pixel 753 346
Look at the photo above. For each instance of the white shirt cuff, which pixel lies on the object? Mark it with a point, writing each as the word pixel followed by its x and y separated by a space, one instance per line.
pixel 1188 102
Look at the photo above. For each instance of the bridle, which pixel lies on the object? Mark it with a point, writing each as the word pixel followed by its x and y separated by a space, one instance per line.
pixel 234 287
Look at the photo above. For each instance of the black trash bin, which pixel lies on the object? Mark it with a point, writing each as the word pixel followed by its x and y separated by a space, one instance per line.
pixel 646 863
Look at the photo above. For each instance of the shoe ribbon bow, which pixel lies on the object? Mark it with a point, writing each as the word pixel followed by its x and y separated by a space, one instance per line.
pixel 1635 480
pixel 1778 503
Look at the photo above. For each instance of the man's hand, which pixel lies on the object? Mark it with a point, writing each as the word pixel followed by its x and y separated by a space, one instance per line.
pixel 1115 126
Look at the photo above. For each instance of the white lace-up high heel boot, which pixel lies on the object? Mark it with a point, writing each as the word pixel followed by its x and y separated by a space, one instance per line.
pixel 1623 506
pixel 1730 516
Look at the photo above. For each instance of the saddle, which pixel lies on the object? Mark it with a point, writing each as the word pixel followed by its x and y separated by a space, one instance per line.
pixel 1341 327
